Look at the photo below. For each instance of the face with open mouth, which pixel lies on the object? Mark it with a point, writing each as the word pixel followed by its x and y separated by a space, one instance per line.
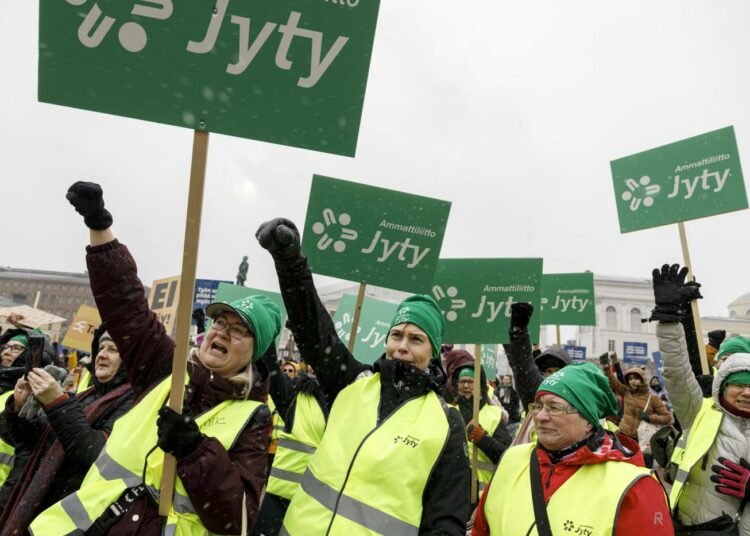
pixel 738 395
pixel 223 353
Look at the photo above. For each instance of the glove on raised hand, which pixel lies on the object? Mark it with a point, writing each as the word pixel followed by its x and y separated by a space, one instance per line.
pixel 88 201
pixel 520 314
pixel 671 293
pixel 178 434
pixel 475 433
pixel 733 479
pixel 604 359
pixel 280 237
pixel 716 337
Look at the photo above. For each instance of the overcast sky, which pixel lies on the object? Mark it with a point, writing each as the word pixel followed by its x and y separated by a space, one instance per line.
pixel 511 110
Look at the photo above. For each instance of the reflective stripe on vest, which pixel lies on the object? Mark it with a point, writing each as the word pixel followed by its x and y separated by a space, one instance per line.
pixel 7 452
pixel 295 448
pixel 120 465
pixel 693 445
pixel 489 419
pixel 509 508
pixel 368 478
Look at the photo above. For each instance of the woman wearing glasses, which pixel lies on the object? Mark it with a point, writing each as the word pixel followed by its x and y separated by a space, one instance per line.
pixel 578 478
pixel 221 439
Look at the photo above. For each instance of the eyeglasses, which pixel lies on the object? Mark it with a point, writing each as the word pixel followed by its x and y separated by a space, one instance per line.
pixel 236 330
pixel 554 410
pixel 466 382
pixel 14 348
pixel 289 370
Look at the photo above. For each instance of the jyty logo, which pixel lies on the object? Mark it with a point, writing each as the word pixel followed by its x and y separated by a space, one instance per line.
pixel 133 37
pixel 582 530
pixel 707 182
pixel 456 304
pixel 408 440
pixel 640 193
pixel 574 304
pixel 374 337
pixel 329 220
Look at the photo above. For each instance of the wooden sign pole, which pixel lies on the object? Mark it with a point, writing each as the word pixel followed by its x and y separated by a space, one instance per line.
pixel 184 312
pixel 557 331
pixel 694 303
pixel 357 313
pixel 475 421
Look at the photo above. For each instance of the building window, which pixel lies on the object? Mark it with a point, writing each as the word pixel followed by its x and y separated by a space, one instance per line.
pixel 635 319
pixel 610 317
pixel 611 345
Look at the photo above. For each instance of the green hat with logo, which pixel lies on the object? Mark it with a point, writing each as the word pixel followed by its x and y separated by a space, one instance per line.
pixel 23 339
pixel 584 387
pixel 422 311
pixel 259 314
pixel 735 345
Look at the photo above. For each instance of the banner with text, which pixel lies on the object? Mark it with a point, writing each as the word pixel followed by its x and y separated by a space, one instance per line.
pixel 80 334
pixel 228 292
pixel 163 299
pixel 476 294
pixel 372 332
pixel 291 72
pixel 568 300
pixel 635 354
pixel 205 292
pixel 576 353
pixel 685 180
pixel 488 356
pixel 373 235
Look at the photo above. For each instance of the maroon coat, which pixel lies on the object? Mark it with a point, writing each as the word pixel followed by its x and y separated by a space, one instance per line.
pixel 213 477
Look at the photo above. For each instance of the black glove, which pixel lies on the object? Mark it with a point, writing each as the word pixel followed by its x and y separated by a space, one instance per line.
pixel 520 314
pixel 280 237
pixel 178 434
pixel 87 199
pixel 604 358
pixel 716 337
pixel 671 294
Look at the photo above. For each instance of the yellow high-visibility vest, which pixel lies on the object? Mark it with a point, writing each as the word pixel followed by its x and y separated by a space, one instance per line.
pixel 368 477
pixel 509 508
pixel 120 466
pixel 277 426
pixel 84 381
pixel 693 445
pixel 7 452
pixel 295 449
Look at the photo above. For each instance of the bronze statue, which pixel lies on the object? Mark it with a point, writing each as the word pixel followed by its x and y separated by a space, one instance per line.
pixel 242 273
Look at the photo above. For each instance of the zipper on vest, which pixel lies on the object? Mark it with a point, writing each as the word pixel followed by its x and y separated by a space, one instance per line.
pixel 549 477
pixel 356 452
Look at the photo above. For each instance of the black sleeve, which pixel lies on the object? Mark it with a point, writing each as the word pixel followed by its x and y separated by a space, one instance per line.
pixel 281 387
pixel 446 498
pixel 619 374
pixel 21 458
pixel 527 375
pixel 494 446
pixel 313 328
pixel 80 440
pixel 692 342
pixel 24 435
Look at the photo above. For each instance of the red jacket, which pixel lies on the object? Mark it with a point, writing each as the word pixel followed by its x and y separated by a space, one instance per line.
pixel 644 510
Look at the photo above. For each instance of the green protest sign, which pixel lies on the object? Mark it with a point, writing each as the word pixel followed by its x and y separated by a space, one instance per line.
pixel 476 294
pixel 372 331
pixel 229 293
pixel 373 235
pixel 291 72
pixel 568 300
pixel 488 356
pixel 685 180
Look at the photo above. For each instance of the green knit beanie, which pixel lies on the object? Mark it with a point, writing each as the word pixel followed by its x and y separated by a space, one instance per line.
pixel 735 345
pixel 741 377
pixel 23 339
pixel 261 316
pixel 585 387
pixel 423 312
pixel 466 373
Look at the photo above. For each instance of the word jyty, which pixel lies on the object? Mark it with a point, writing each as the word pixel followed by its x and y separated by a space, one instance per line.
pixel 573 304
pixel 712 181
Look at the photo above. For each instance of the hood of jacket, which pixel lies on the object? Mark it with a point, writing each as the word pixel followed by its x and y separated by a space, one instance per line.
pixel 636 371
pixel 456 360
pixel 734 363
pixel 554 356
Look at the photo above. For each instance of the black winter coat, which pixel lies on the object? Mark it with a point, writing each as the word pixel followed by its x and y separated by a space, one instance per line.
pixel 446 497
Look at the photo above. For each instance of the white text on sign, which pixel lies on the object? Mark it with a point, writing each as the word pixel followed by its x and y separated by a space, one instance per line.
pixel 705 182
pixel 389 248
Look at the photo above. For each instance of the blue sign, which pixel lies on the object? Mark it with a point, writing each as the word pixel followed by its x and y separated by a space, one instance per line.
pixel 576 353
pixel 635 354
pixel 659 365
pixel 205 292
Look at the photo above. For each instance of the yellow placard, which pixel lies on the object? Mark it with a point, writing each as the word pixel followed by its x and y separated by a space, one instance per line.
pixel 163 299
pixel 80 334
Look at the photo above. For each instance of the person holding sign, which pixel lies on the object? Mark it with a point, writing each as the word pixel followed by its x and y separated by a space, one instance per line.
pixel 710 486
pixel 393 458
pixel 490 436
pixel 221 439
pixel 578 478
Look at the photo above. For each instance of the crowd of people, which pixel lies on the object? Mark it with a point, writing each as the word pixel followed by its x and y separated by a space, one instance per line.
pixel 335 446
